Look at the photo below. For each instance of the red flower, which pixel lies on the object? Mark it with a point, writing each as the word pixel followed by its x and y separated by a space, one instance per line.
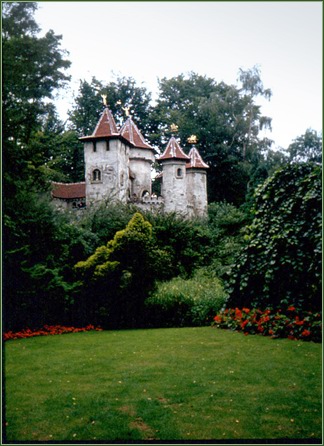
pixel 218 318
pixel 246 310
pixel 306 333
pixel 244 324
pixel 238 313
pixel 291 308
pixel 298 322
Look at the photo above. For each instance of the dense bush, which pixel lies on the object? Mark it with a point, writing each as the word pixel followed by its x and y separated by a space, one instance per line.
pixel 225 234
pixel 186 302
pixel 185 241
pixel 281 262
pixel 290 323
pixel 117 278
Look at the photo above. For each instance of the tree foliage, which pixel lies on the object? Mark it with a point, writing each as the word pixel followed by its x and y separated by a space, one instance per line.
pixel 32 68
pixel 226 121
pixel 281 262
pixel 307 147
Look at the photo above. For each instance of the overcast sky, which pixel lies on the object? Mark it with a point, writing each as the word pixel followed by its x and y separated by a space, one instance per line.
pixel 151 40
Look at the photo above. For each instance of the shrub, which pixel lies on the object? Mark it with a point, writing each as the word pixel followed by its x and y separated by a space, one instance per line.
pixel 281 262
pixel 118 276
pixel 186 302
pixel 225 223
pixel 292 323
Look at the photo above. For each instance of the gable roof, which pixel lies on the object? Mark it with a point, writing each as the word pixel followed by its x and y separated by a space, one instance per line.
pixel 105 128
pixel 68 190
pixel 196 161
pixel 173 151
pixel 131 132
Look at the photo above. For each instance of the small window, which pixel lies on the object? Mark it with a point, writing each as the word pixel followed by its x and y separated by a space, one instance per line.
pixel 96 175
pixel 94 146
pixel 179 173
pixel 107 145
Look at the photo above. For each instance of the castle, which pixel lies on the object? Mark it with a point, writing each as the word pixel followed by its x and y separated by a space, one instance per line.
pixel 118 168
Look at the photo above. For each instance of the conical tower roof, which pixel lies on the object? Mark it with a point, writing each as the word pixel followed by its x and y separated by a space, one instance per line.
pixel 105 128
pixel 173 151
pixel 196 161
pixel 131 132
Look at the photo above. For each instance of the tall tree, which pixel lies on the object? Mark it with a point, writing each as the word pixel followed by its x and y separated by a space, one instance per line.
pixel 227 123
pixel 122 94
pixel 307 147
pixel 252 87
pixel 32 68
pixel 88 106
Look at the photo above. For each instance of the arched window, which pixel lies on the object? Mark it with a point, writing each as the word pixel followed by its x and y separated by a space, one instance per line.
pixel 96 175
pixel 179 173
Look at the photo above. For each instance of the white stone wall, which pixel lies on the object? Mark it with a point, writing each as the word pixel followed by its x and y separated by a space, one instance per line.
pixel 173 188
pixel 197 192
pixel 140 163
pixel 111 159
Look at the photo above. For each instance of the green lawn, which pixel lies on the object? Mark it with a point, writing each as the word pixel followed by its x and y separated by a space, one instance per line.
pixel 161 384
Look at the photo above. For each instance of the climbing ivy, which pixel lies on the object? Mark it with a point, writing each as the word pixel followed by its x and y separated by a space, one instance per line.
pixel 281 261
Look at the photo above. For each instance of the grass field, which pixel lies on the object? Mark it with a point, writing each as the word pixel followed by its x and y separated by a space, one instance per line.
pixel 161 384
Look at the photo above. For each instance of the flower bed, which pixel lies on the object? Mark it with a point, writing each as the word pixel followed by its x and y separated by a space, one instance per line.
pixel 291 323
pixel 46 331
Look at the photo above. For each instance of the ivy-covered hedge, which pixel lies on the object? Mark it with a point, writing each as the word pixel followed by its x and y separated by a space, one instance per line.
pixel 280 264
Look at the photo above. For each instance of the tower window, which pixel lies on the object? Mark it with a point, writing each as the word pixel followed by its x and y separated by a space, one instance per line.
pixel 94 146
pixel 179 173
pixel 96 175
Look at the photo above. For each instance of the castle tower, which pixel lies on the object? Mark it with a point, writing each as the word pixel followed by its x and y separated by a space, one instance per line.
pixel 106 162
pixel 141 157
pixel 196 184
pixel 174 183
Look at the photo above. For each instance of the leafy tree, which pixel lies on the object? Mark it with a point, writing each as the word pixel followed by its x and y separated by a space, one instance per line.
pixel 88 106
pixel 226 122
pixel 307 147
pixel 281 262
pixel 124 93
pixel 60 152
pixel 252 87
pixel 121 93
pixel 32 68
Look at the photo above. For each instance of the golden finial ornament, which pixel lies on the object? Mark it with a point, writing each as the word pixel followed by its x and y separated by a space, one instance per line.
pixel 174 128
pixel 192 139
pixel 104 99
pixel 126 110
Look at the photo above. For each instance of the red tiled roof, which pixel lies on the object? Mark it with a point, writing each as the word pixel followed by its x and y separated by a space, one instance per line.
pixel 130 132
pixel 106 126
pixel 196 161
pixel 68 190
pixel 173 150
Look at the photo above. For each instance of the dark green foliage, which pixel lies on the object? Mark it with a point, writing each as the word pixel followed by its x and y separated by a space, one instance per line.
pixel 225 233
pixel 226 121
pixel 281 262
pixel 307 147
pixel 121 93
pixel 40 248
pixel 185 241
pixel 119 275
pixel 186 302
